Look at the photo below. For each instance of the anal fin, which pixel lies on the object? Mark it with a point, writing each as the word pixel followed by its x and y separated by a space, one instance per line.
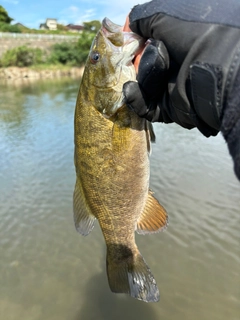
pixel 154 217
pixel 83 218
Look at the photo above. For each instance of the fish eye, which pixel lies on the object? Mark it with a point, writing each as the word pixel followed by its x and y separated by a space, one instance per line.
pixel 94 57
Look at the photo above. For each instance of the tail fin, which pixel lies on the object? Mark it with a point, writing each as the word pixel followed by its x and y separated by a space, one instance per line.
pixel 131 275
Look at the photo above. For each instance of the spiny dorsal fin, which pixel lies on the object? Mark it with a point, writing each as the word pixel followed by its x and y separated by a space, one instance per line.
pixel 150 135
pixel 151 131
pixel 84 220
pixel 154 217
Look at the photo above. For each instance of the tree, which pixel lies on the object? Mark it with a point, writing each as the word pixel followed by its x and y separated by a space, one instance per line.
pixel 92 26
pixel 61 27
pixel 4 17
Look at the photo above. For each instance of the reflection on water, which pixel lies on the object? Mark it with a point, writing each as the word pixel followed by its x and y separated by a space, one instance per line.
pixel 48 271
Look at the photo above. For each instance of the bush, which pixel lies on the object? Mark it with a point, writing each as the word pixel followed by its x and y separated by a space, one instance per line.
pixel 22 57
pixel 64 53
pixel 84 45
pixel 74 54
pixel 5 27
pixel 61 27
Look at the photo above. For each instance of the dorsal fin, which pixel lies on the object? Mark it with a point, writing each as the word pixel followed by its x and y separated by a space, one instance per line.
pixel 154 217
pixel 150 135
pixel 151 131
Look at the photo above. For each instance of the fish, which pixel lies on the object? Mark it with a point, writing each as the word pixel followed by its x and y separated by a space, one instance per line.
pixel 112 147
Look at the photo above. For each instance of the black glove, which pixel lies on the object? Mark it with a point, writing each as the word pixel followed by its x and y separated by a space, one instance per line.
pixel 189 74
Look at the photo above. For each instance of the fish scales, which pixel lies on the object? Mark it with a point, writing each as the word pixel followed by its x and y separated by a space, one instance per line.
pixel 112 165
pixel 105 177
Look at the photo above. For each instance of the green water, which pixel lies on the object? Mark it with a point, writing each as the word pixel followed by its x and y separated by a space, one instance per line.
pixel 49 272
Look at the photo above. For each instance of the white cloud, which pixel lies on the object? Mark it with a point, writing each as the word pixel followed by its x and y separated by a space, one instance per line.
pixel 86 11
pixel 89 14
pixel 73 9
pixel 77 15
pixel 117 11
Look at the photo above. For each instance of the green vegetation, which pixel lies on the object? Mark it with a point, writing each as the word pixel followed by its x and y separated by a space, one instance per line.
pixel 22 57
pixel 5 27
pixel 72 54
pixel 65 53
pixel 92 26
pixel 61 27
pixel 5 21
pixel 61 54
pixel 4 17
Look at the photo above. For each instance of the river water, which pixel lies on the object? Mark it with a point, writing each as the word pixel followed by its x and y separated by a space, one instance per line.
pixel 50 272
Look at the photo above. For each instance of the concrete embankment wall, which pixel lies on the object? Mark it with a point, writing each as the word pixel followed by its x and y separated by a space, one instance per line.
pixel 15 73
pixel 42 41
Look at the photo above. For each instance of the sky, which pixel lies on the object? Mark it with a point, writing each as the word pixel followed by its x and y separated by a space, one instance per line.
pixel 31 13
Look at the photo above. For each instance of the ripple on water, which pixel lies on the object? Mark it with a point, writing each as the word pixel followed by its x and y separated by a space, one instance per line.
pixel 49 271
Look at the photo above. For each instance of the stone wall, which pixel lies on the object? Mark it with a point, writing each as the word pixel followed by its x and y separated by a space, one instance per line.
pixel 14 73
pixel 42 41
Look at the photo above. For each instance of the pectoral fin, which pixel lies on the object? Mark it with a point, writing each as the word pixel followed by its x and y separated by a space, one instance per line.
pixel 154 217
pixel 84 220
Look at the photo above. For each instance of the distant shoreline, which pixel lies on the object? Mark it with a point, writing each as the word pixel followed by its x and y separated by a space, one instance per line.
pixel 14 73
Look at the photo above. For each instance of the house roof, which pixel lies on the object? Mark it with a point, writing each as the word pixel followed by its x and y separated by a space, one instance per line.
pixel 74 27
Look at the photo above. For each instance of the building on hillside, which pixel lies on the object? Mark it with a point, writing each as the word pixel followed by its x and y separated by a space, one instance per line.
pixel 75 28
pixel 50 24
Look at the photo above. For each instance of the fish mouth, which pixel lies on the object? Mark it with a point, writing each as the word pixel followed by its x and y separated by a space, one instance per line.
pixel 128 43
pixel 110 26
pixel 122 49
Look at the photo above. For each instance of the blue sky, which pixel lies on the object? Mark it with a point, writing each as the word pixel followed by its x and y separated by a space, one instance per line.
pixel 31 13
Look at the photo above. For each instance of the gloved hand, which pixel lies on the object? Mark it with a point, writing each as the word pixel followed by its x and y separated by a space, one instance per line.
pixel 189 73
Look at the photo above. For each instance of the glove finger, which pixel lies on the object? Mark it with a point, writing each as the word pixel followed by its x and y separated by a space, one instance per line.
pixel 153 68
pixel 134 98
pixel 154 114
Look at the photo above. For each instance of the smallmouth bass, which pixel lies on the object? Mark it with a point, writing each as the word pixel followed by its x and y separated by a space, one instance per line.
pixel 112 146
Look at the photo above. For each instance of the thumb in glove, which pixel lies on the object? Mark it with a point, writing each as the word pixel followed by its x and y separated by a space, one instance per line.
pixel 143 96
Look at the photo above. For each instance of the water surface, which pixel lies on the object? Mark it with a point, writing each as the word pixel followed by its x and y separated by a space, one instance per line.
pixel 50 272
